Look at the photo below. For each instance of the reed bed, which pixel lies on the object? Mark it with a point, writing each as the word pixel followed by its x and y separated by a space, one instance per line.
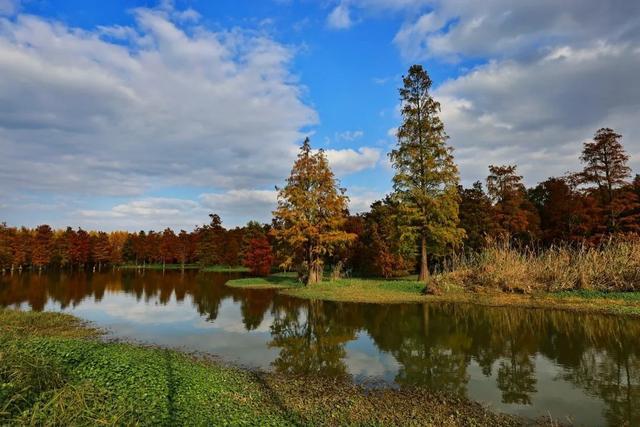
pixel 613 266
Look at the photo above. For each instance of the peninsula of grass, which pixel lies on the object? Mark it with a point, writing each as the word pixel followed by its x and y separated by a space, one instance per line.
pixel 274 281
pixel 408 290
pixel 54 370
pixel 401 291
pixel 209 268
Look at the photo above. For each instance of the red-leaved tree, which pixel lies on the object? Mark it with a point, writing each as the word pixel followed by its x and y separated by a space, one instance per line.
pixel 259 257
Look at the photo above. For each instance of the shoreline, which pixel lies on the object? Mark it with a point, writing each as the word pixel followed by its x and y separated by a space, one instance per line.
pixel 398 291
pixel 89 380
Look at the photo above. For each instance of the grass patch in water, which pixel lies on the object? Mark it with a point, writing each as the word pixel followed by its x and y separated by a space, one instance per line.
pixel 53 371
pixel 386 291
pixel 274 281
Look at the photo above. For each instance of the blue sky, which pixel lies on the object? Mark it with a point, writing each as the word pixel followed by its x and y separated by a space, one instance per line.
pixel 146 114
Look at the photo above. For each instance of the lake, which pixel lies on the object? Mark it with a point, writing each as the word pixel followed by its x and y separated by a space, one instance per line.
pixel 521 361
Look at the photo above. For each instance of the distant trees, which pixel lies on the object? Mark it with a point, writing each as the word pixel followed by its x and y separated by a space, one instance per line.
pixel 43 247
pixel 426 178
pixel 513 212
pixel 476 216
pixel 258 257
pixel 310 215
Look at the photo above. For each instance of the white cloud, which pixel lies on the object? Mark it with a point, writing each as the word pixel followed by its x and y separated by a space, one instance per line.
pixel 163 106
pixel 240 206
pixel 360 200
pixel 153 213
pixel 340 17
pixel 236 208
pixel 349 135
pixel 348 161
pixel 9 7
pixel 537 114
pixel 501 28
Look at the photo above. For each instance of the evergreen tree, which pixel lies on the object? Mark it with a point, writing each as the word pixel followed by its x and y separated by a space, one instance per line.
pixel 426 177
pixel 311 213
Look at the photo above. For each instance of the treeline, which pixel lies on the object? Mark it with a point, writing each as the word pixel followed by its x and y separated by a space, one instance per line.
pixel 210 244
pixel 427 219
pixel 578 209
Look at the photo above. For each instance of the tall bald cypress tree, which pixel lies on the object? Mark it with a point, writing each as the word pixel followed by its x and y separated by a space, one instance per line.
pixel 426 177
pixel 311 213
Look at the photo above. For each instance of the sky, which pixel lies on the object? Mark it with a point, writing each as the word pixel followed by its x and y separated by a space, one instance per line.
pixel 130 115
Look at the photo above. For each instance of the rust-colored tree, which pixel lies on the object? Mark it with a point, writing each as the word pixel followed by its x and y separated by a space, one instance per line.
pixel 258 257
pixel 6 238
pixel 475 216
pixel 606 173
pixel 21 248
pixel 311 213
pixel 515 216
pixel 81 248
pixel 168 246
pixel 42 246
pixel 101 249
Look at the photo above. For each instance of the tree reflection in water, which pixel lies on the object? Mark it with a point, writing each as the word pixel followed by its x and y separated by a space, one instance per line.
pixel 434 345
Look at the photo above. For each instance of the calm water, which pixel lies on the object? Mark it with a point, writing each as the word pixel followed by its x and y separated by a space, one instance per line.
pixel 528 362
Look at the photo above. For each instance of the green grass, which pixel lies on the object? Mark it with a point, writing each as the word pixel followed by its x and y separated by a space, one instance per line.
pixel 274 281
pixel 51 374
pixel 54 370
pixel 225 269
pixel 408 290
pixel 368 290
pixel 589 294
pixel 209 268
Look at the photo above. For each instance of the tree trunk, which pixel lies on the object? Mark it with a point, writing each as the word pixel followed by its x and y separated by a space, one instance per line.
pixel 424 265
pixel 315 273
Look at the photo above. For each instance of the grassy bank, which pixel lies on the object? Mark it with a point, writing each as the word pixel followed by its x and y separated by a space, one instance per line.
pixel 274 281
pixel 408 291
pixel 604 279
pixel 55 371
pixel 209 268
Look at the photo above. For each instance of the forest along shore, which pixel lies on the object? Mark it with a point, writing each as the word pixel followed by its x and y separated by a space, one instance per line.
pixel 600 279
pixel 56 370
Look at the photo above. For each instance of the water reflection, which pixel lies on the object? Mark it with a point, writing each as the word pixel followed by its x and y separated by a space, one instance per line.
pixel 523 361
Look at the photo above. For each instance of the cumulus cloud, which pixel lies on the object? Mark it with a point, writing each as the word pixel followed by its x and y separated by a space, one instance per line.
pixel 550 75
pixel 340 17
pixel 162 105
pixel 538 114
pixel 502 28
pixel 9 7
pixel 348 161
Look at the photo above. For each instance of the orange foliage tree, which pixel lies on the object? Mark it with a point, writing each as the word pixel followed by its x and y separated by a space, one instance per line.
pixel 311 214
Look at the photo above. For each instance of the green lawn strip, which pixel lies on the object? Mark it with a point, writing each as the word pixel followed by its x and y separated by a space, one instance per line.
pixel 209 268
pixel 225 269
pixel 274 281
